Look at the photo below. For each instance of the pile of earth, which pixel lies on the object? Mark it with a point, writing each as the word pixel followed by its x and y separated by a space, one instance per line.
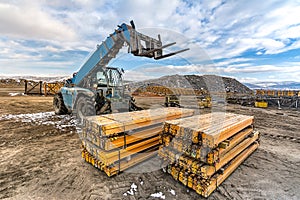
pixel 206 82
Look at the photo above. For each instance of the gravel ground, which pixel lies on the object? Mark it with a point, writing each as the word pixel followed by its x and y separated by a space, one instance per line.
pixel 41 159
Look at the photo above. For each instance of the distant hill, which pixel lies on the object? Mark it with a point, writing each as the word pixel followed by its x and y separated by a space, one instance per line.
pixel 207 82
pixel 285 85
pixel 35 78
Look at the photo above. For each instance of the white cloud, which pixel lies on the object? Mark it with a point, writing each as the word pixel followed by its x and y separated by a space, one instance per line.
pixel 27 20
pixel 132 75
pixel 50 48
pixel 247 80
pixel 211 29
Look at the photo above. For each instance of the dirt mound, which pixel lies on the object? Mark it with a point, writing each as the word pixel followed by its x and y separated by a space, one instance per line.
pixel 205 82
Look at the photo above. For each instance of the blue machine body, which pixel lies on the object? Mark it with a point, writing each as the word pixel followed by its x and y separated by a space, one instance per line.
pixel 83 82
pixel 70 94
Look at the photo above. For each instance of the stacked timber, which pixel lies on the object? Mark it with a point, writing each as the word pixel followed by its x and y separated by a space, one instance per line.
pixel 116 142
pixel 202 151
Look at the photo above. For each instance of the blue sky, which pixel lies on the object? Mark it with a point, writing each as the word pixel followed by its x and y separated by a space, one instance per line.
pixel 248 40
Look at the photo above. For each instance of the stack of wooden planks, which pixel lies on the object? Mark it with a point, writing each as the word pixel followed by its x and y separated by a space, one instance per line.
pixel 203 150
pixel 116 142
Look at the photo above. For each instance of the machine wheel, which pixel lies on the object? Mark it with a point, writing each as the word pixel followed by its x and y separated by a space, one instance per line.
pixel 84 107
pixel 58 104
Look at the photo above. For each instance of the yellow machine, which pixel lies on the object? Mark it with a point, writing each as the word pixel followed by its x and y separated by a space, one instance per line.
pixel 171 101
pixel 205 102
pixel 174 100
pixel 261 104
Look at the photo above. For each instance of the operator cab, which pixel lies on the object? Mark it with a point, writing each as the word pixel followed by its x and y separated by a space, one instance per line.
pixel 110 82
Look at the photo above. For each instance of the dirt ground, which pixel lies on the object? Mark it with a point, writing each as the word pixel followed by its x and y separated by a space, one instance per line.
pixel 41 159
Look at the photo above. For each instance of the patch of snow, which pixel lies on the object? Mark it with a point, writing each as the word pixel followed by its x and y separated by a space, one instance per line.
pixel 142 182
pixel 172 192
pixel 16 94
pixel 158 195
pixel 33 117
pixel 132 190
pixel 43 118
pixel 134 187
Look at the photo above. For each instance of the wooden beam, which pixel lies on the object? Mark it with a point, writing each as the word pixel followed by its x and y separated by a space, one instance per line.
pixel 208 170
pixel 116 123
pixel 213 138
pixel 201 168
pixel 215 155
pixel 216 181
pixel 108 158
pixel 129 139
pixel 110 143
pixel 122 166
pixel 134 161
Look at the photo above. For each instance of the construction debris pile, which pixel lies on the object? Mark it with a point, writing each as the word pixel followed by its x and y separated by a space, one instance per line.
pixel 210 83
pixel 116 142
pixel 202 151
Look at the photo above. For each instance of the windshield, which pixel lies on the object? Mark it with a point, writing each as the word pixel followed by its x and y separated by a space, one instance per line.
pixel 114 77
pixel 101 78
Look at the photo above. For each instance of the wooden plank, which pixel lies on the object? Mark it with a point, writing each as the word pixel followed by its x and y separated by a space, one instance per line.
pixel 216 181
pixel 101 128
pixel 203 186
pixel 110 143
pixel 197 165
pixel 135 137
pixel 124 164
pixel 208 170
pixel 200 123
pixel 120 122
pixel 118 127
pixel 215 155
pixel 110 158
pixel 91 124
pixel 127 164
pixel 213 138
pixel 214 127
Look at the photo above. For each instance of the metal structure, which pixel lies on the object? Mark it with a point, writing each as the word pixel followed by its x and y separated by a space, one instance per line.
pixel 32 87
pixel 288 99
pixel 95 80
pixel 279 98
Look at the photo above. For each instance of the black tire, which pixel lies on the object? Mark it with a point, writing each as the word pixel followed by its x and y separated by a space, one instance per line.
pixel 58 104
pixel 166 104
pixel 84 107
